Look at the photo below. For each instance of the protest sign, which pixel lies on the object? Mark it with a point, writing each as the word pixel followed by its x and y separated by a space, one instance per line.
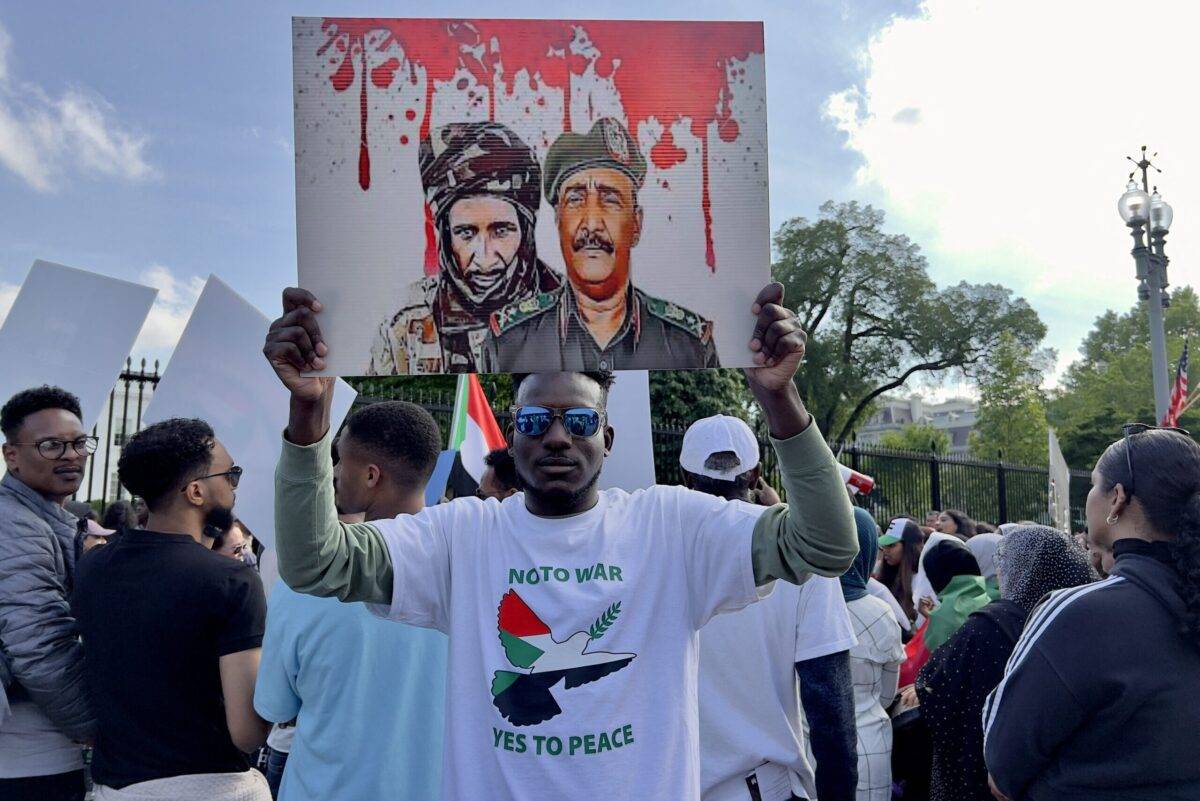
pixel 630 464
pixel 72 329
pixel 510 196
pixel 218 373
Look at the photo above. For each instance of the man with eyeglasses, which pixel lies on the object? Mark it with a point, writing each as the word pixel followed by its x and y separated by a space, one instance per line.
pixel 172 630
pixel 41 662
pixel 572 613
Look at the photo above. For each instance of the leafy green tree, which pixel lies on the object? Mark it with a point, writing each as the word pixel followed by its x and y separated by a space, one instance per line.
pixel 920 437
pixel 1111 384
pixel 681 396
pixel 874 317
pixel 1012 406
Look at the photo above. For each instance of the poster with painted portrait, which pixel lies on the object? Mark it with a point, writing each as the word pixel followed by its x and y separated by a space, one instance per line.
pixel 513 196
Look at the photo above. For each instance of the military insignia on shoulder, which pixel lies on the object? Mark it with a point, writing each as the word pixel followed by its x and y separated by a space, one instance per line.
pixel 680 317
pixel 519 311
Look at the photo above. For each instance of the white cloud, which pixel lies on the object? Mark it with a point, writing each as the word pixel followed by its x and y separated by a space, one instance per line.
pixel 169 315
pixel 43 139
pixel 8 293
pixel 995 133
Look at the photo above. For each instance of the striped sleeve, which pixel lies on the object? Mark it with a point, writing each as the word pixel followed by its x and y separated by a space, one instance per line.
pixel 1034 689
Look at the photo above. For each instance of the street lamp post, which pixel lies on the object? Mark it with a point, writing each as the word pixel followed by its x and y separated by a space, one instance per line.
pixel 1142 210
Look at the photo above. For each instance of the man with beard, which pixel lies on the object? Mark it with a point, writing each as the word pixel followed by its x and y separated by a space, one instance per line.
pixel 172 630
pixel 483 188
pixel 599 320
pixel 41 663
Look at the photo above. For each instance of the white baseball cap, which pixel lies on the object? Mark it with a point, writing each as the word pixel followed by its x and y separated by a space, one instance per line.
pixel 717 434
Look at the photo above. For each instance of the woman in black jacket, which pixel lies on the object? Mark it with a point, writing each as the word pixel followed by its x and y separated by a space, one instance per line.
pixel 955 682
pixel 1099 699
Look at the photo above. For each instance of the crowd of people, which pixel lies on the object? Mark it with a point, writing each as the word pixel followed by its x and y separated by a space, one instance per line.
pixel 724 640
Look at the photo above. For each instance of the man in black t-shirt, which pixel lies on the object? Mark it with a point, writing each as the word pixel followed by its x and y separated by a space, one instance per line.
pixel 172 630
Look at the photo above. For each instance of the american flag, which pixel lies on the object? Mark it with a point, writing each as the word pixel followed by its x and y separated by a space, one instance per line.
pixel 1179 393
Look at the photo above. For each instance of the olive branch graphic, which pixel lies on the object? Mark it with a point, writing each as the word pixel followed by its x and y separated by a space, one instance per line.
pixel 604 621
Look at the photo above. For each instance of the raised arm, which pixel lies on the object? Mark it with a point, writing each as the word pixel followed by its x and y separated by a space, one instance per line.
pixel 318 555
pixel 814 532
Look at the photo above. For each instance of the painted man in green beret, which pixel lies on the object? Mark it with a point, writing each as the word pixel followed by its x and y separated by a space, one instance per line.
pixel 598 320
pixel 483 187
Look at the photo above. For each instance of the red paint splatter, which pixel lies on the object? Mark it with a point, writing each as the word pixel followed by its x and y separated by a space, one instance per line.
pixel 663 70
pixel 666 154
pixel 404 139
pixel 410 114
pixel 431 250
pixel 728 129
pixel 364 153
pixel 383 75
pixel 710 256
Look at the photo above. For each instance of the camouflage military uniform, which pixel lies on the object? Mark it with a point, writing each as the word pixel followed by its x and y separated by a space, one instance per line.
pixel 545 332
pixel 442 324
pixel 427 337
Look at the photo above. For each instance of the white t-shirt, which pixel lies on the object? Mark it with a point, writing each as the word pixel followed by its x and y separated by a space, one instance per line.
pixel 749 691
pixel 573 641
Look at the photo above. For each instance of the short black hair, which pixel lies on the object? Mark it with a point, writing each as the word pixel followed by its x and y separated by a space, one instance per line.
pixel 604 378
pixel 31 401
pixel 119 515
pixel 160 458
pixel 501 461
pixel 402 434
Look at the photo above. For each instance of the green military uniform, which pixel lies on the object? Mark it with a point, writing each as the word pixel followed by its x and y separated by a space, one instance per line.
pixel 545 332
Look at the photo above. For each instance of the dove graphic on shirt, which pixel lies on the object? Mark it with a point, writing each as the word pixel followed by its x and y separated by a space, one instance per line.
pixel 524 698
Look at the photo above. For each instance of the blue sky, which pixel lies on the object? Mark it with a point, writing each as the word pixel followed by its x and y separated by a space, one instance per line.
pixel 152 141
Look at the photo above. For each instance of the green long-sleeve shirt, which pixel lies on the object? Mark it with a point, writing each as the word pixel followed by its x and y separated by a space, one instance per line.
pixel 813 533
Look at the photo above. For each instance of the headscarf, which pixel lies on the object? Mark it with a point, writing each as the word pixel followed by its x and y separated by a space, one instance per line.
pixel 954 575
pixel 854 580
pixel 920 586
pixel 1036 560
pixel 466 159
pixel 983 547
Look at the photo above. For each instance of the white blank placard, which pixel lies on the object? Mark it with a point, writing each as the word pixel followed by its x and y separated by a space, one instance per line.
pixel 218 373
pixel 72 329
pixel 630 466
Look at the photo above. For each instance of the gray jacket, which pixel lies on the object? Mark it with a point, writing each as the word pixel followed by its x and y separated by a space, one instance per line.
pixel 39 641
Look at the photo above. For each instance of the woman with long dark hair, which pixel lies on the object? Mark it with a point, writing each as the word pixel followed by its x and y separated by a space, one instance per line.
pixel 901 547
pixel 956 522
pixel 1098 700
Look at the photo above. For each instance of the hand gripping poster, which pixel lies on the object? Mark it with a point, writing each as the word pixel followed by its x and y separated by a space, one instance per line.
pixel 512 196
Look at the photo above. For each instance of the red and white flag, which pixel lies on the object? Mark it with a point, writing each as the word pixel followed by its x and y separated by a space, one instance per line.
pixel 1179 392
pixel 473 431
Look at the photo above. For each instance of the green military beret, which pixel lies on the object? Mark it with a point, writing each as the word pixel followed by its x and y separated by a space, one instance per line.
pixel 608 144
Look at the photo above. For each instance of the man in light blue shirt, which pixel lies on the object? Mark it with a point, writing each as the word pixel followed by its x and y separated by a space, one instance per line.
pixel 367 694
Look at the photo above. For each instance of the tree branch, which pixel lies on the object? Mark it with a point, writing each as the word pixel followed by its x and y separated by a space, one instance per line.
pixel 848 426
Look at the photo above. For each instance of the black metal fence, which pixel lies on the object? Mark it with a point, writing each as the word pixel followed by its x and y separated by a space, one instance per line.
pixel 906 483
pixel 118 422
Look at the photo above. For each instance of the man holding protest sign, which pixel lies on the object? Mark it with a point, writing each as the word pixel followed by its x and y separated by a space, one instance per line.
pixel 572 613
pixel 599 320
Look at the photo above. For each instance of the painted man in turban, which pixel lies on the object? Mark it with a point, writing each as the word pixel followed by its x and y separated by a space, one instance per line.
pixel 483 187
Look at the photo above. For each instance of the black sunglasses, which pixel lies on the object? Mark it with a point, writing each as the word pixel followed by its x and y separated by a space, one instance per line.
pixel 233 475
pixel 534 421
pixel 1127 431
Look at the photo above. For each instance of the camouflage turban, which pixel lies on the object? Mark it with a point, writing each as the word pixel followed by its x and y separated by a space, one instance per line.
pixel 464 159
